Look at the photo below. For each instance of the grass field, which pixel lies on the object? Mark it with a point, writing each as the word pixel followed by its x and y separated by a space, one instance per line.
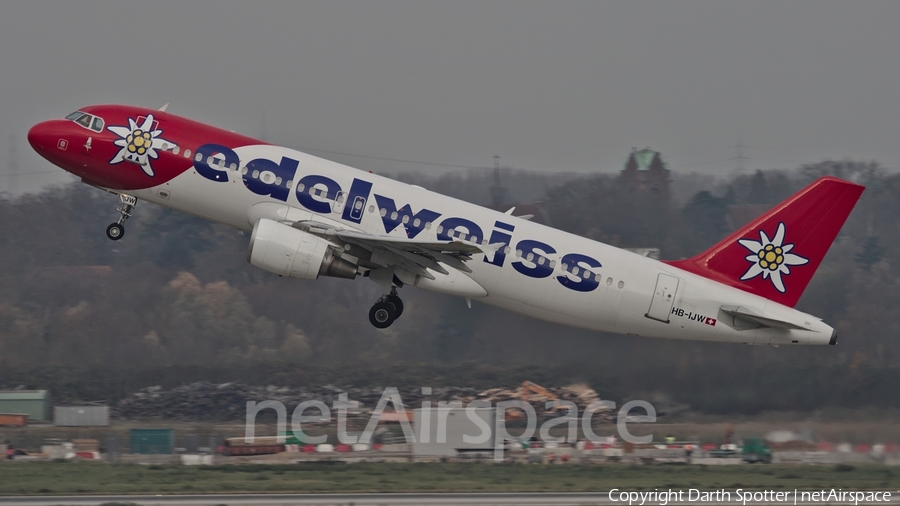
pixel 96 478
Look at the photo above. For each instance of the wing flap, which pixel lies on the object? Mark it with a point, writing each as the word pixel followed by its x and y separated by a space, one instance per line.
pixel 409 244
pixel 413 255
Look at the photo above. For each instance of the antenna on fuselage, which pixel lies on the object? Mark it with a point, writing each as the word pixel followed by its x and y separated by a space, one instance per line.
pixel 163 108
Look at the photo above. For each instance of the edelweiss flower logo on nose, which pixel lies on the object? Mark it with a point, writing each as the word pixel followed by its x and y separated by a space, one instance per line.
pixel 139 143
pixel 771 258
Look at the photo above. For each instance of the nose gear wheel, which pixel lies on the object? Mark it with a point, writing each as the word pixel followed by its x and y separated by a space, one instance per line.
pixel 116 230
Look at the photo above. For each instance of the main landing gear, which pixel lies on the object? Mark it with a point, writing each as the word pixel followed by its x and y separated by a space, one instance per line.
pixel 388 308
pixel 116 230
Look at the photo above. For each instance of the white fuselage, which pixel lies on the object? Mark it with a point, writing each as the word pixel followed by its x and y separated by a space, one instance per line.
pixel 615 296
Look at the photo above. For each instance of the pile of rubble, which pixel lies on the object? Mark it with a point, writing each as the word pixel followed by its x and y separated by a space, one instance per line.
pixel 204 401
pixel 550 400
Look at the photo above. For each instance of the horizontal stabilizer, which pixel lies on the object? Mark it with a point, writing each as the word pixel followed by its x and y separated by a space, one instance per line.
pixel 739 312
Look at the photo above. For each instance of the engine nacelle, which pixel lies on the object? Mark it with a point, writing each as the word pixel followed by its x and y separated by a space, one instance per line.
pixel 286 251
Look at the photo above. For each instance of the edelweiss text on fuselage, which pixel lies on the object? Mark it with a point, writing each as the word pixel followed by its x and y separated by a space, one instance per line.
pixel 315 192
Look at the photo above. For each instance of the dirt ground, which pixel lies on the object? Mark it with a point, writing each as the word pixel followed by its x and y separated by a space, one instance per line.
pixel 859 427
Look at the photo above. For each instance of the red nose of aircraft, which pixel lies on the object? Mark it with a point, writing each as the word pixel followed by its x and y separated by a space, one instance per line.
pixel 38 136
pixel 49 136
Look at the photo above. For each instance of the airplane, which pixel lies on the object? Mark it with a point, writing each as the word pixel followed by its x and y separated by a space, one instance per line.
pixel 309 217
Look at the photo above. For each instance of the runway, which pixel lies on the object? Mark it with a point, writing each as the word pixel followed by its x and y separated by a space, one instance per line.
pixel 410 499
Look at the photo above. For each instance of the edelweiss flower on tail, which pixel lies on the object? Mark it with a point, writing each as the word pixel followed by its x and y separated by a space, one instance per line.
pixel 771 258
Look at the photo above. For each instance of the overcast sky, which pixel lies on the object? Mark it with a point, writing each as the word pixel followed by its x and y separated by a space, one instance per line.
pixel 546 85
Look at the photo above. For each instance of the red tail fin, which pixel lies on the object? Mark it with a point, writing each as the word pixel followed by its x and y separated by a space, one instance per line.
pixel 776 255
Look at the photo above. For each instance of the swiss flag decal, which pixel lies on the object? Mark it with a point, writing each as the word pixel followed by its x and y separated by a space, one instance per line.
pixel 711 321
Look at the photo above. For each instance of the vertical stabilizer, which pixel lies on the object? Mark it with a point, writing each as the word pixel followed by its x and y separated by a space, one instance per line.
pixel 777 254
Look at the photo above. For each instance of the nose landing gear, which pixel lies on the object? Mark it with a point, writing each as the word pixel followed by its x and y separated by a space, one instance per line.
pixel 116 230
pixel 388 308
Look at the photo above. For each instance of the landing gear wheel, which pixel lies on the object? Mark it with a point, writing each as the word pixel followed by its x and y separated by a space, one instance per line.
pixel 115 231
pixel 382 315
pixel 398 304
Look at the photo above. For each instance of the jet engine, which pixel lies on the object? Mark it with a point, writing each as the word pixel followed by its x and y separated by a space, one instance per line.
pixel 286 251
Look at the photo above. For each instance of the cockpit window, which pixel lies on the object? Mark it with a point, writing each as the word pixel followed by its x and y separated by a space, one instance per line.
pixel 84 121
pixel 87 120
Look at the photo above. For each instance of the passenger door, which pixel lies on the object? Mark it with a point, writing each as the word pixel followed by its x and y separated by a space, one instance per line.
pixel 663 298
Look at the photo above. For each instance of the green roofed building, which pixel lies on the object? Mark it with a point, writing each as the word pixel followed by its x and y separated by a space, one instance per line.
pixel 34 403
pixel 646 172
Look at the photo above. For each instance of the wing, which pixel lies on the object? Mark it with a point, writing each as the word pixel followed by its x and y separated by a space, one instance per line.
pixel 416 256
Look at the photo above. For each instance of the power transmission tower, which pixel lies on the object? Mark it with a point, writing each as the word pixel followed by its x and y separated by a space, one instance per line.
pixel 739 157
pixel 498 192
